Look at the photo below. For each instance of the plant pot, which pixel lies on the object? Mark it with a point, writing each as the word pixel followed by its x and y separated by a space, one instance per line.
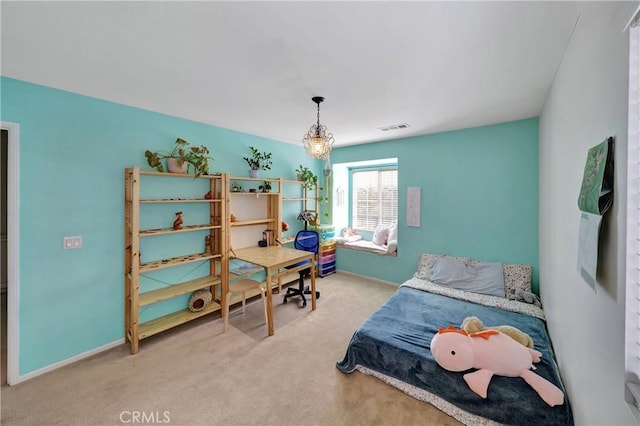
pixel 253 173
pixel 172 166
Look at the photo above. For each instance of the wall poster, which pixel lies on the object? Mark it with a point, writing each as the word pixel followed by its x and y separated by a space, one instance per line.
pixel 413 206
pixel 596 197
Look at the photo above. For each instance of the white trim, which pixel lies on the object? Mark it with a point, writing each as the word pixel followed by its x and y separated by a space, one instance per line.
pixel 632 277
pixel 13 251
pixel 68 361
pixel 368 278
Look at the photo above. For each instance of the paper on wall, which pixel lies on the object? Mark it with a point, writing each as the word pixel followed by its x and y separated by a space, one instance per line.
pixel 596 197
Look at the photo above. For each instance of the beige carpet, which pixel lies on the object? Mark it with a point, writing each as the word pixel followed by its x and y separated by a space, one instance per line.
pixel 195 375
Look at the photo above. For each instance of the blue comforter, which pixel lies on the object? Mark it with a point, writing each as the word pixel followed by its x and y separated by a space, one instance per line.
pixel 395 341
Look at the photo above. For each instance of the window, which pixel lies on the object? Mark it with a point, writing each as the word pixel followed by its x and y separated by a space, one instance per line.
pixel 375 197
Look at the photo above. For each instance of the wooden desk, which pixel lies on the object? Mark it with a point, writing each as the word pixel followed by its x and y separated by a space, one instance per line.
pixel 273 259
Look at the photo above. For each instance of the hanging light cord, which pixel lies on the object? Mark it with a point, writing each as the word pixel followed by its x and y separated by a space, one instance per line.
pixel 318 125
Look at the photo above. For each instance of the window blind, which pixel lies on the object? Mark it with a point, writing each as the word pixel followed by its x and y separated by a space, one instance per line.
pixel 375 198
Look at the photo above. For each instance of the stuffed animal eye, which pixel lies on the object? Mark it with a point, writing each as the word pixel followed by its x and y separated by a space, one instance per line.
pixel 453 352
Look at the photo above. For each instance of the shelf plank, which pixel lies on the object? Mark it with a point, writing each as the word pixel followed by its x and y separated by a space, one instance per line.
pixel 287 240
pixel 158 325
pixel 162 231
pixel 156 173
pixel 251 222
pixel 175 261
pixel 255 194
pixel 257 179
pixel 171 291
pixel 296 198
pixel 178 200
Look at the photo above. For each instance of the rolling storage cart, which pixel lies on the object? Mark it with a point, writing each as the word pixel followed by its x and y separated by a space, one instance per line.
pixel 327 251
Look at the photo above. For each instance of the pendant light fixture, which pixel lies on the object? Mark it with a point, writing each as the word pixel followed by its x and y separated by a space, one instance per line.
pixel 317 142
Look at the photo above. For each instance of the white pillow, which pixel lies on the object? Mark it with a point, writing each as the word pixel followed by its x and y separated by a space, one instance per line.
pixel 448 271
pixel 380 236
pixel 482 277
pixel 393 233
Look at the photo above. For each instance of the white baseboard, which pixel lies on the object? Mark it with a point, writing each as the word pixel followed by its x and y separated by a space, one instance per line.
pixel 368 278
pixel 48 368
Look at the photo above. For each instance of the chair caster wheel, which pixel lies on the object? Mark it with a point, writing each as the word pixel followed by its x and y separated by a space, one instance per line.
pixel 304 304
pixel 284 301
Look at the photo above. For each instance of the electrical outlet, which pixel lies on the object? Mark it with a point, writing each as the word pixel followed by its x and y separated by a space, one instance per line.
pixel 70 243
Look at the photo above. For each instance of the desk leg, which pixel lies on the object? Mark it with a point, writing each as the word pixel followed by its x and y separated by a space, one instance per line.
pixel 313 285
pixel 269 303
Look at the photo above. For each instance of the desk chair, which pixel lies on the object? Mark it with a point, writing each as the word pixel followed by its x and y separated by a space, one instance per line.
pixel 243 286
pixel 309 241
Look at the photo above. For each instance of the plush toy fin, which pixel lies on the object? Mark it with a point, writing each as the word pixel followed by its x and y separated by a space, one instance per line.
pixel 535 355
pixel 549 392
pixel 478 381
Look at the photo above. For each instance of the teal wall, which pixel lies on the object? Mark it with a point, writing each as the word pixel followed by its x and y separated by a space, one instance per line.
pixel 479 193
pixel 479 198
pixel 73 152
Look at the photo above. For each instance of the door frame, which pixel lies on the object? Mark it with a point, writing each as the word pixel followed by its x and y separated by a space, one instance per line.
pixel 13 251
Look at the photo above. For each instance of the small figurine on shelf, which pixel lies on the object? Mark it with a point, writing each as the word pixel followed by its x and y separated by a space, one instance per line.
pixel 177 224
pixel 208 196
pixel 207 244
pixel 233 218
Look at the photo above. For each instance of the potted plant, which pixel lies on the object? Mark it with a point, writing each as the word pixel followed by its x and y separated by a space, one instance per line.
pixel 258 161
pixel 236 187
pixel 306 175
pixel 265 187
pixel 181 157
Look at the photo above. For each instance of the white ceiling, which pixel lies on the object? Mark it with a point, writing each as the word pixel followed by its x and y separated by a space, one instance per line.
pixel 254 66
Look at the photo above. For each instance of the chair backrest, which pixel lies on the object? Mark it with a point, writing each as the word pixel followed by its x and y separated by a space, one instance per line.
pixel 307 240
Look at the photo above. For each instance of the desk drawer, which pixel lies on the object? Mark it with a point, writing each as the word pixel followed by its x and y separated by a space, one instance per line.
pixel 327 269
pixel 328 247
pixel 327 252
pixel 325 259
pixel 329 265
pixel 327 235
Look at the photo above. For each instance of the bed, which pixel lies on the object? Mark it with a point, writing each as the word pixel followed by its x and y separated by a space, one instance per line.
pixel 393 344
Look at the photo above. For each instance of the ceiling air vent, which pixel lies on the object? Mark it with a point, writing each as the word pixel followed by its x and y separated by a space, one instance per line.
pixel 394 127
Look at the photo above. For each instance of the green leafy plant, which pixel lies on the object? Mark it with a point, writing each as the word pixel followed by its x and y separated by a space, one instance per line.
pixel 324 201
pixel 258 160
pixel 196 156
pixel 265 187
pixel 236 187
pixel 306 175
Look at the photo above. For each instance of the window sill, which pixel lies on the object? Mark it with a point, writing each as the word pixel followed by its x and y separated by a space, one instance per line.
pixel 367 247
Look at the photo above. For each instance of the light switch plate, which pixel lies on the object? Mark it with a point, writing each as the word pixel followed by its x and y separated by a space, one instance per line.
pixel 71 243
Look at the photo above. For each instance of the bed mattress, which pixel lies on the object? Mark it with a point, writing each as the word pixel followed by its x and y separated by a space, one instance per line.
pixel 393 344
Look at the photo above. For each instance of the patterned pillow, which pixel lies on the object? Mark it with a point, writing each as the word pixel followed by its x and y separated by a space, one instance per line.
pixel 516 276
pixel 428 259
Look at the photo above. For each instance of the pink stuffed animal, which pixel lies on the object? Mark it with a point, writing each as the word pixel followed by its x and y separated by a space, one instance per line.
pixel 491 352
